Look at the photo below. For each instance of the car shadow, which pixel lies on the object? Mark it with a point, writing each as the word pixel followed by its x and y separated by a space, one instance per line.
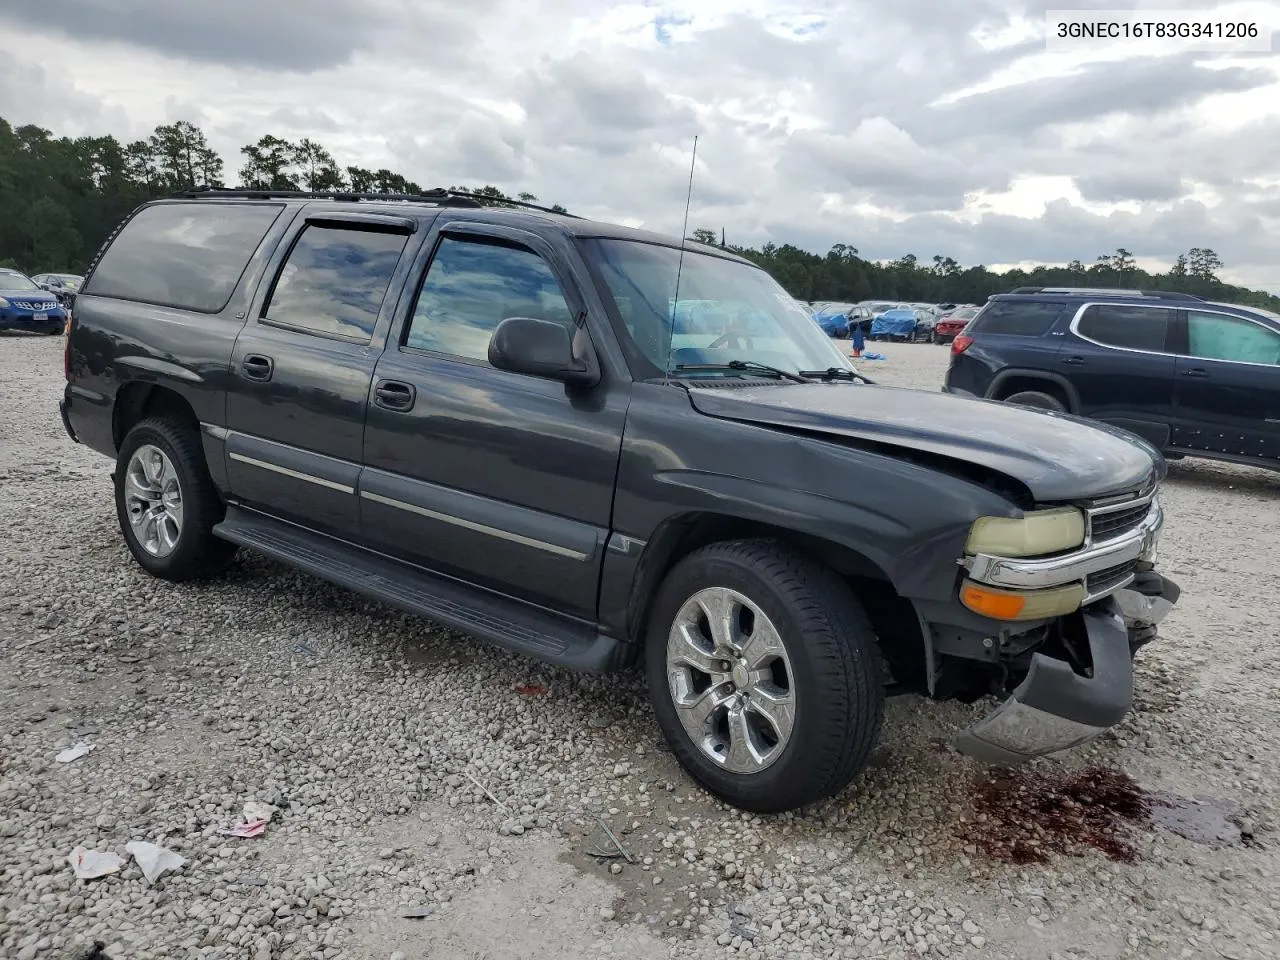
pixel 1217 476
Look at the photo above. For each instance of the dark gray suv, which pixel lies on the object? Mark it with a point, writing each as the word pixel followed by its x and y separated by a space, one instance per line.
pixel 497 419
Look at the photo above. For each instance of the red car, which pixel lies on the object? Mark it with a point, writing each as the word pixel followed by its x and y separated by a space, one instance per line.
pixel 952 323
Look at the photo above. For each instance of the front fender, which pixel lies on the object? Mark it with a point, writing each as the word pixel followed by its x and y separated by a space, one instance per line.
pixel 907 519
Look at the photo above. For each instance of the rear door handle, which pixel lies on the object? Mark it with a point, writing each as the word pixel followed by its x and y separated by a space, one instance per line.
pixel 1073 360
pixel 394 395
pixel 257 367
pixel 1195 372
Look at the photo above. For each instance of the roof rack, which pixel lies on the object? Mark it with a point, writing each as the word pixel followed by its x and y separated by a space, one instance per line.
pixel 440 196
pixel 1110 292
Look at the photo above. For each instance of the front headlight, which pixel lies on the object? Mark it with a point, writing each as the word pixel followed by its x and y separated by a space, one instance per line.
pixel 3 303
pixel 1036 533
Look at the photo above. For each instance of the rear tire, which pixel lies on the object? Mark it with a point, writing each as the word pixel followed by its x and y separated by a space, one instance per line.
pixel 166 502
pixel 1034 398
pixel 796 714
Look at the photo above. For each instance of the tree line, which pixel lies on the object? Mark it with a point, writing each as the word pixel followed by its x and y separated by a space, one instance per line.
pixel 61 196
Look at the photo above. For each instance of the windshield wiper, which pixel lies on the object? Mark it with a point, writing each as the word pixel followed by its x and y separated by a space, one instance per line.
pixel 834 373
pixel 747 365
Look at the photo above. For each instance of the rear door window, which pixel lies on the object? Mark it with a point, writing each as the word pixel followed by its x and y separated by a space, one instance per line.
pixel 1215 336
pixel 184 255
pixel 1129 327
pixel 334 281
pixel 1030 319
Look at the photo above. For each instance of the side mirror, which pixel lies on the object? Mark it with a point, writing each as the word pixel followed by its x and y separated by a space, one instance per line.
pixel 541 348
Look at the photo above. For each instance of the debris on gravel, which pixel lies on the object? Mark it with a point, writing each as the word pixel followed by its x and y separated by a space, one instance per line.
pixel 434 796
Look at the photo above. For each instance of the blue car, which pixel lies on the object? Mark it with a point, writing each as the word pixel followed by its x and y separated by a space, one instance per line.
pixel 25 306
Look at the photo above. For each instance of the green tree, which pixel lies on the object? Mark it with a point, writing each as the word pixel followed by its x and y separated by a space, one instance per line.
pixel 316 167
pixel 182 157
pixel 269 164
pixel 1122 263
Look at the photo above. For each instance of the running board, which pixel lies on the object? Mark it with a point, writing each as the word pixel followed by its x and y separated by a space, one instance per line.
pixel 510 624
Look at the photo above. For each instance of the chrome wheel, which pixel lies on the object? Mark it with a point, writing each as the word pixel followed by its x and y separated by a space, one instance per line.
pixel 731 680
pixel 153 499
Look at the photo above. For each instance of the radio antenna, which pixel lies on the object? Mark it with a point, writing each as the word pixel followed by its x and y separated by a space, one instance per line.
pixel 675 300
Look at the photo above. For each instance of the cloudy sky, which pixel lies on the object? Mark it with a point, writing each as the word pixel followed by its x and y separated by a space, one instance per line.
pixel 921 126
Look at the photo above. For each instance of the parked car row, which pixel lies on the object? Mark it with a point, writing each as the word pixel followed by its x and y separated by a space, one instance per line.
pixel 892 319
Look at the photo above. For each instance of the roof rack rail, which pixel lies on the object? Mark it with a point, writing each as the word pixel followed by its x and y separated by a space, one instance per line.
pixel 1110 292
pixel 439 196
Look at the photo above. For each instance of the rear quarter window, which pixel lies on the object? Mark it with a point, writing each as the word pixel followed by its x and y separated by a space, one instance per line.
pixel 1030 319
pixel 185 255
pixel 1125 326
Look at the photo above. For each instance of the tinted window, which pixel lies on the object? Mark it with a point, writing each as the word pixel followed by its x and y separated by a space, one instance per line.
pixel 335 280
pixel 472 286
pixel 1117 325
pixel 1029 319
pixel 1213 336
pixel 187 255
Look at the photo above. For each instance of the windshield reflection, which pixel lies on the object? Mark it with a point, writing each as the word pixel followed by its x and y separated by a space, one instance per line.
pixel 726 311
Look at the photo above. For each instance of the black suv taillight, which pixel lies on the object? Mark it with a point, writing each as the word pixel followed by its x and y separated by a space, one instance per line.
pixel 960 344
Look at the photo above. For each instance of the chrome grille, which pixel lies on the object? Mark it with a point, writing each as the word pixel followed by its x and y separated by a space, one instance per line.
pixel 1114 518
pixel 35 304
pixel 1109 579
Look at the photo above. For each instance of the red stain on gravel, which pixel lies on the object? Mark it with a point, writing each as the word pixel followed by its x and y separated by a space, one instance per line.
pixel 1024 817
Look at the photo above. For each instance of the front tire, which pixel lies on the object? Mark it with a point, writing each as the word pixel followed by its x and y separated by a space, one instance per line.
pixel 764 675
pixel 166 502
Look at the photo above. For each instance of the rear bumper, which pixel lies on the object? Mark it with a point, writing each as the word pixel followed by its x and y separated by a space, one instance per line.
pixel 63 404
pixel 1055 708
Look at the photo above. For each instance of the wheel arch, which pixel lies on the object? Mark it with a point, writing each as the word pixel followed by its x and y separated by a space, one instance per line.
pixel 1014 380
pixel 139 399
pixel 899 629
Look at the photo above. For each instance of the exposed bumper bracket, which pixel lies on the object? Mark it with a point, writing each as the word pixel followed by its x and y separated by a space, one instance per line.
pixel 1054 708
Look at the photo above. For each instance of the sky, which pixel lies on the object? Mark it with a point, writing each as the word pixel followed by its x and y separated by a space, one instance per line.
pixel 895 126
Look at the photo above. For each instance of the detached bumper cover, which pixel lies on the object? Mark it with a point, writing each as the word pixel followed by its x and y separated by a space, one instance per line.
pixel 1054 708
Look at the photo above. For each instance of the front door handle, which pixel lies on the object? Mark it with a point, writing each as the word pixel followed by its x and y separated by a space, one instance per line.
pixel 1195 372
pixel 257 367
pixel 394 395
pixel 1073 360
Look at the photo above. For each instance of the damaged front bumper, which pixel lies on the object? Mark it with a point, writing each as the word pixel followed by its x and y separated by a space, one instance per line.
pixel 1055 708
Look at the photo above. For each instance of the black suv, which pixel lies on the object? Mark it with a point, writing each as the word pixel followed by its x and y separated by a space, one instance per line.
pixel 496 418
pixel 1192 377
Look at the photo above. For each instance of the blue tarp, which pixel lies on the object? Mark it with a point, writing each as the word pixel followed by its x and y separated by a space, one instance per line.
pixel 894 323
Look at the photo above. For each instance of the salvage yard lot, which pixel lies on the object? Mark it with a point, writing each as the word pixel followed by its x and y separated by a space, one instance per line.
pixel 416 769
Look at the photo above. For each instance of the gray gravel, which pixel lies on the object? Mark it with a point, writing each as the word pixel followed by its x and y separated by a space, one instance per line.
pixel 385 741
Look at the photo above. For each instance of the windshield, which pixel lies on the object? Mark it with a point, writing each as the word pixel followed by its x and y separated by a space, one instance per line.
pixel 727 311
pixel 833 309
pixel 13 280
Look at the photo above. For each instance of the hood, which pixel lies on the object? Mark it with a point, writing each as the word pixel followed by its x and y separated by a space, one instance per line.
pixel 39 296
pixel 1056 456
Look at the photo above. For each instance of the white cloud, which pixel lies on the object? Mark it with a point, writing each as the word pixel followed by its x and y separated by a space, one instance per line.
pixel 893 125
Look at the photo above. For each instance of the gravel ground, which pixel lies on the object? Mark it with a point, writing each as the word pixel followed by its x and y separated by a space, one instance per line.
pixel 415 771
